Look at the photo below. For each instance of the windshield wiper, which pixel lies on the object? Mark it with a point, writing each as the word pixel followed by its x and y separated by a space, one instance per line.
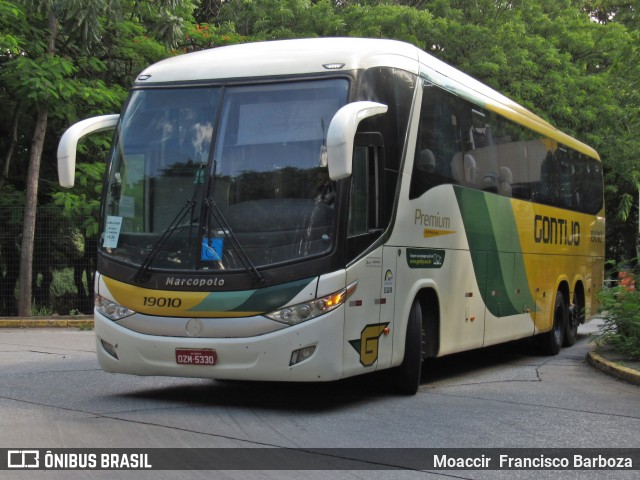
pixel 213 209
pixel 177 222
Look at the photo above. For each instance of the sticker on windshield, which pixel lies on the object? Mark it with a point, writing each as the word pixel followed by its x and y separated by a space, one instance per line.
pixel 211 249
pixel 112 232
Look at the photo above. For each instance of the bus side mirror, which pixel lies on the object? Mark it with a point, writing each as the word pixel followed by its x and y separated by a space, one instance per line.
pixel 69 143
pixel 342 131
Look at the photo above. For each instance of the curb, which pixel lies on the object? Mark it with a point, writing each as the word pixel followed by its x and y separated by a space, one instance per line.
pixel 83 322
pixel 611 368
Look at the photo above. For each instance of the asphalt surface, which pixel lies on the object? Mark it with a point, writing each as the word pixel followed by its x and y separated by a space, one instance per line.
pixel 606 360
pixel 53 395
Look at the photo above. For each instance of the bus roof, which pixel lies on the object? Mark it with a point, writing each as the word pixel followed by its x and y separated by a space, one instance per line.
pixel 322 55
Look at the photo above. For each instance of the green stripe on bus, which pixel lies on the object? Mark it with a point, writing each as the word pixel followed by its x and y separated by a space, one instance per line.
pixel 495 249
pixel 260 300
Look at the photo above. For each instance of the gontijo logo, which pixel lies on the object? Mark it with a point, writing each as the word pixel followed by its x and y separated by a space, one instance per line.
pixel 558 231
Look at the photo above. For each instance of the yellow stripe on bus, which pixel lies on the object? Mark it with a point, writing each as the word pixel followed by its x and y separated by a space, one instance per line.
pixel 165 303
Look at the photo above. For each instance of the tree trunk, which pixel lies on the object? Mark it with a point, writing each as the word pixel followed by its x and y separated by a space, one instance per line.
pixel 31 204
pixel 31 194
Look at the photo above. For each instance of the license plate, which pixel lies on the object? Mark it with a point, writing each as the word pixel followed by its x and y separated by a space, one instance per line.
pixel 196 356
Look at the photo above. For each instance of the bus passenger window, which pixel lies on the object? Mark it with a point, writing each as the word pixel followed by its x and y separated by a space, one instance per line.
pixel 512 142
pixel 438 141
pixel 478 168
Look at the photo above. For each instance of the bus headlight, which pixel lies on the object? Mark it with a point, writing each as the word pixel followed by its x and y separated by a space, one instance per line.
pixel 302 312
pixel 112 310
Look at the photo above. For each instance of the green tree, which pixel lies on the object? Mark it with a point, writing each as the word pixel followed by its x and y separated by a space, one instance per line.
pixel 574 62
pixel 59 56
pixel 622 147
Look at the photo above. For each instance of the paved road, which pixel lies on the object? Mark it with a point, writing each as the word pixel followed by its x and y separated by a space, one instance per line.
pixel 53 395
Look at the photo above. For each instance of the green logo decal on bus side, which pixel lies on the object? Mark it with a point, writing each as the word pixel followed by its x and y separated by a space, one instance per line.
pixel 425 258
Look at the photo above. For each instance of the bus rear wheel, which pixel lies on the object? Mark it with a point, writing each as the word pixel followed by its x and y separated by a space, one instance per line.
pixel 550 343
pixel 407 375
pixel 576 311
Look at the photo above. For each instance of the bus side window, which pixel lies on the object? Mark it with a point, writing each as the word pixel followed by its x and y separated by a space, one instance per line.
pixel 478 166
pixel 513 167
pixel 361 205
pixel 438 140
pixel 366 216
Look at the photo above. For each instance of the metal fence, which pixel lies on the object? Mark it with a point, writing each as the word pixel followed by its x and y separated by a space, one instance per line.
pixel 64 261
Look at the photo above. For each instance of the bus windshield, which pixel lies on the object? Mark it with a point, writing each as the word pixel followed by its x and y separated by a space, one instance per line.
pixel 222 177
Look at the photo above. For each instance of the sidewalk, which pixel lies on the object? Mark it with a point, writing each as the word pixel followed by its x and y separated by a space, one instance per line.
pixel 84 322
pixel 606 360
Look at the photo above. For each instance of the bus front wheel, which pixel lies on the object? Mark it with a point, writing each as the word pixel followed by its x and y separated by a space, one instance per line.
pixel 407 375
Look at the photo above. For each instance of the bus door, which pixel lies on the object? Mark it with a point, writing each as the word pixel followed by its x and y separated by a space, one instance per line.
pixel 369 311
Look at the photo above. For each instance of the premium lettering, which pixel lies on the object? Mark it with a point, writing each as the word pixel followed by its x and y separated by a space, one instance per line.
pixel 430 220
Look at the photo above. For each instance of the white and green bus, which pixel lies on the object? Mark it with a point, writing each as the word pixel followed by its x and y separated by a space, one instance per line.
pixel 315 209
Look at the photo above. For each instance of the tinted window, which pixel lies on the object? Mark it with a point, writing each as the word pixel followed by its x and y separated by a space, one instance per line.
pixel 462 143
pixel 438 140
pixel 395 89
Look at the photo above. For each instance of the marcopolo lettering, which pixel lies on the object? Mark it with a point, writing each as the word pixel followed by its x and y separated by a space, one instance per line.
pixel 558 231
pixel 194 282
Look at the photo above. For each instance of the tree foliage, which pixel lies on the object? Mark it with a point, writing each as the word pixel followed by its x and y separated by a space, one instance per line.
pixel 574 62
pixel 620 310
pixel 63 60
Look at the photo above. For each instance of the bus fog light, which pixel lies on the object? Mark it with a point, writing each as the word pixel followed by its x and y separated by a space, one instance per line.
pixel 301 354
pixel 109 348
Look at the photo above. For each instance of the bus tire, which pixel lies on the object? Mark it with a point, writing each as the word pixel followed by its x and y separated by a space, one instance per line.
pixel 550 343
pixel 574 319
pixel 407 375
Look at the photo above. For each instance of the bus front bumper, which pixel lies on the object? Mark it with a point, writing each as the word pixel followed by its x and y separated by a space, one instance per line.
pixel 265 357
